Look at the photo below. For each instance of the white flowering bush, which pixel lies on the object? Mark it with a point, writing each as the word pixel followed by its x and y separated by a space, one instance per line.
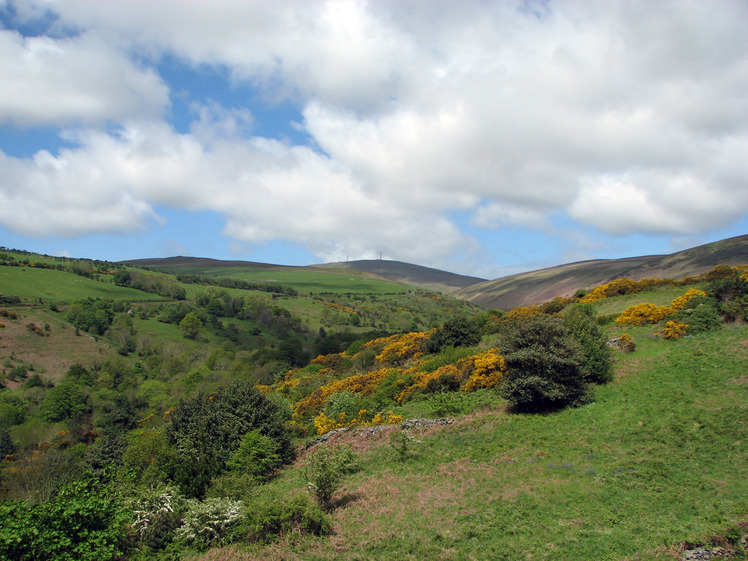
pixel 156 517
pixel 207 523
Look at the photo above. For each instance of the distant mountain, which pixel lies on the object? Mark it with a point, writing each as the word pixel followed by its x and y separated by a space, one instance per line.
pixel 525 289
pixel 191 264
pixel 396 271
pixel 407 273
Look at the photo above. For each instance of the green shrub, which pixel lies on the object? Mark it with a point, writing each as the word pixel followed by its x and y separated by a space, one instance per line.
pixel 256 456
pixel 456 332
pixel 324 472
pixel 545 365
pixel 700 314
pixel 83 522
pixel 209 428
pixel 581 322
pixel 268 519
pixel 66 401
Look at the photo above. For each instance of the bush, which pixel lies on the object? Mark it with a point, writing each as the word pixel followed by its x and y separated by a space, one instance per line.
pixel 324 472
pixel 598 364
pixel 156 517
pixel 209 428
pixel 456 332
pixel 66 401
pixel 268 519
pixel 208 523
pixel 256 456
pixel 545 365
pixel 83 522
pixel 701 314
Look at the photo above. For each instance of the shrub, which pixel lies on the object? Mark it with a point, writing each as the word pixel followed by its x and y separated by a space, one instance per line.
pixel 644 313
pixel 545 365
pixel 83 522
pixel 156 517
pixel 209 522
pixel 701 314
pixel 66 401
pixel 256 456
pixel 268 519
pixel 674 330
pixel 598 364
pixel 456 332
pixel 324 472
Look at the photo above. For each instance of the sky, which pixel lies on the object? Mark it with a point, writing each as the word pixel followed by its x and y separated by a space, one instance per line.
pixel 484 137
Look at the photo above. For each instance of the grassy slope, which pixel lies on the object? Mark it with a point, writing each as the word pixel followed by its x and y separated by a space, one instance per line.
pixel 303 279
pixel 51 284
pixel 659 458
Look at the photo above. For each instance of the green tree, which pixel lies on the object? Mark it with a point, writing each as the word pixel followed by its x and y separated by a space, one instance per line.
pixel 65 401
pixel 257 455
pixel 207 429
pixel 191 325
pixel 545 365
pixel 581 322
pixel 456 332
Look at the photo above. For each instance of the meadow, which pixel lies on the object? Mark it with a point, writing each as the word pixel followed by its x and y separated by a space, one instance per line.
pixel 658 460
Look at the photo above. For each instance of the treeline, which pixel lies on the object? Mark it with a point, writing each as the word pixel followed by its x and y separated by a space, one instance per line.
pixel 82 267
pixel 237 283
pixel 153 284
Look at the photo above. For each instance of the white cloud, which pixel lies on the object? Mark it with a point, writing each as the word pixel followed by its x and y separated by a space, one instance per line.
pixel 626 116
pixel 82 80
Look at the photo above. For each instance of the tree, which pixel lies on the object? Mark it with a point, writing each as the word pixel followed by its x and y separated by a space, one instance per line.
pixel 66 401
pixel 545 365
pixel 456 332
pixel 191 325
pixel 257 455
pixel 598 364
pixel 209 428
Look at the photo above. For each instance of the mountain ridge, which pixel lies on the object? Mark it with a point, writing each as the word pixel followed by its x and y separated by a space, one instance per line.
pixel 533 287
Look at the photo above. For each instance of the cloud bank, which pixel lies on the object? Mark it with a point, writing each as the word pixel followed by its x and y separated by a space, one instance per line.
pixel 625 117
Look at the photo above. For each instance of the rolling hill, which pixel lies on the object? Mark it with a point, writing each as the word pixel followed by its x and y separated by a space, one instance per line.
pixel 416 275
pixel 533 287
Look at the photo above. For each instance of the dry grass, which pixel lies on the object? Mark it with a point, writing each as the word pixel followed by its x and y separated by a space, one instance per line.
pixel 52 354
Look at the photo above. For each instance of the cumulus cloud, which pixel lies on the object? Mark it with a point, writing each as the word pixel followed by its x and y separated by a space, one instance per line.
pixel 630 117
pixel 75 80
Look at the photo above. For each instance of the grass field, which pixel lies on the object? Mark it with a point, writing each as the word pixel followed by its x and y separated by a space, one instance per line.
pixel 660 458
pixel 51 284
pixel 308 280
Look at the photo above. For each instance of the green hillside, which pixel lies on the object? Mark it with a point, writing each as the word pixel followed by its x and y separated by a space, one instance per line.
pixel 204 416
pixel 302 279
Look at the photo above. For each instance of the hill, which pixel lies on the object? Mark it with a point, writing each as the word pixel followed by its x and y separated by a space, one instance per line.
pixel 108 386
pixel 415 275
pixel 533 287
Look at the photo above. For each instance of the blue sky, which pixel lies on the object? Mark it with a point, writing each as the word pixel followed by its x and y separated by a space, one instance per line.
pixel 484 138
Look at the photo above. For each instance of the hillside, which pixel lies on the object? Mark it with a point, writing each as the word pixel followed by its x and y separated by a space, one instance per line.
pixel 533 287
pixel 415 275
pixel 367 420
